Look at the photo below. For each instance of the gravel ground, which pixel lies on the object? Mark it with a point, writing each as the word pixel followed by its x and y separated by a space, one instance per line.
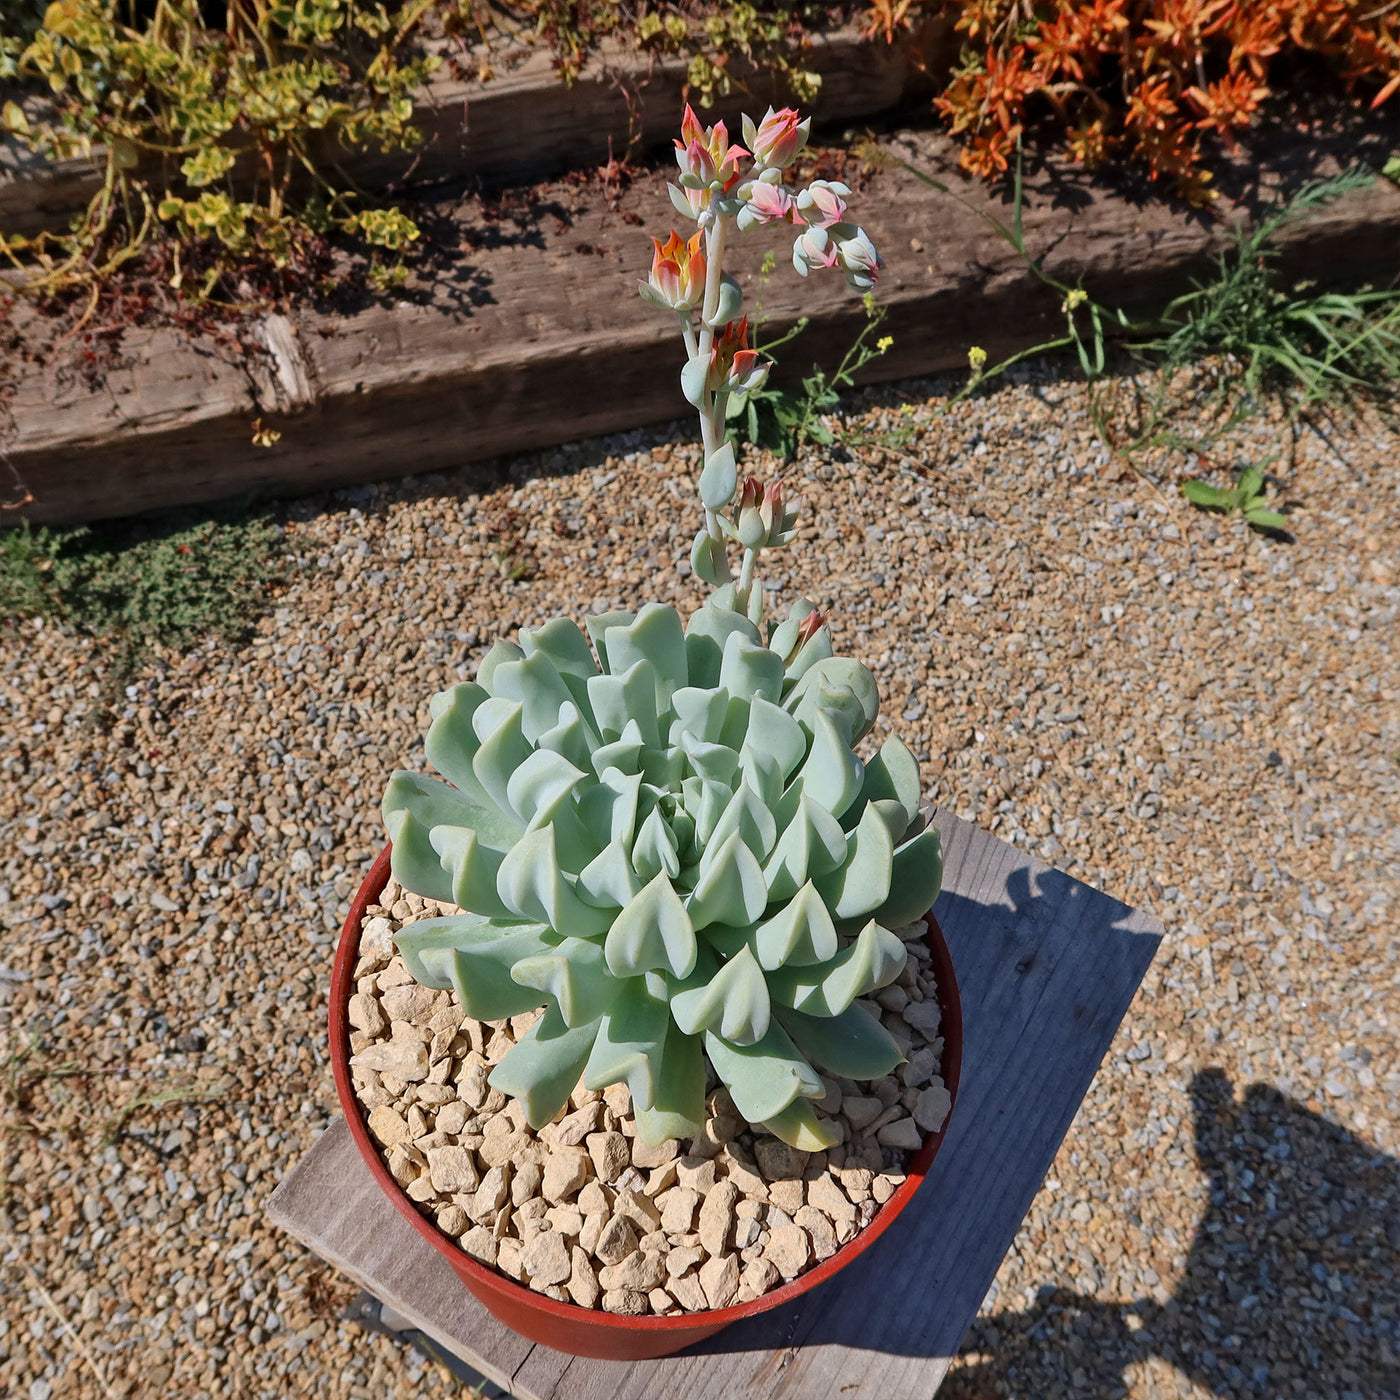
pixel 1199 720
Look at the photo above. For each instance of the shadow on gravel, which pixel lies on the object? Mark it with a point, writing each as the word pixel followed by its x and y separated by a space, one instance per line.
pixel 1291 1287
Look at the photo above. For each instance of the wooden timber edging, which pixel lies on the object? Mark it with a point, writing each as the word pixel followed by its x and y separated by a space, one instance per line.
pixel 526 124
pixel 540 339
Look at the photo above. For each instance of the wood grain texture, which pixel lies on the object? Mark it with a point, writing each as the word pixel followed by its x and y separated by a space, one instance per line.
pixel 526 123
pixel 540 310
pixel 1047 968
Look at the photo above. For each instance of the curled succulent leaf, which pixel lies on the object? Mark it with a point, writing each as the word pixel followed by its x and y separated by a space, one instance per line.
pixel 661 846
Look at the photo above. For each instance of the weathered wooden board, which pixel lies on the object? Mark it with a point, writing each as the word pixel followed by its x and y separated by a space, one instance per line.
pixel 526 123
pixel 535 335
pixel 1047 968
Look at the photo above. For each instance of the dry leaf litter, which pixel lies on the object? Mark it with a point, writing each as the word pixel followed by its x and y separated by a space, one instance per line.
pixel 1199 720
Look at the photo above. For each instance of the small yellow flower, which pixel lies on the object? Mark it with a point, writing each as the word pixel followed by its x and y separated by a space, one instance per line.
pixel 884 343
pixel 1076 298
pixel 977 358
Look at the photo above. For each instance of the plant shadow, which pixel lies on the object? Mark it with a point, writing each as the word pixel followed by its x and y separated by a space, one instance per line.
pixel 1290 1285
pixel 1291 1273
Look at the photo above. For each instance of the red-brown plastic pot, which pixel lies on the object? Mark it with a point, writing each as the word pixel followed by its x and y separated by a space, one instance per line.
pixel 584 1331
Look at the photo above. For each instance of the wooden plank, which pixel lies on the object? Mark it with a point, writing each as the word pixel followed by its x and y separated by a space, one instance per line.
pixel 526 123
pixel 331 1203
pixel 1047 967
pixel 457 369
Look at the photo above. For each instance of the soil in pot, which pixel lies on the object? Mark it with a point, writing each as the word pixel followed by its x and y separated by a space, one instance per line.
pixel 582 1211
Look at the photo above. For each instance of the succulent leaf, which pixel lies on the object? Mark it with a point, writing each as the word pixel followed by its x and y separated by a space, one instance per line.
pixel 674 851
pixel 853 1045
pixel 471 866
pixel 413 806
pixel 750 669
pixel 631 1038
pixel 706 633
pixel 598 627
pixel 837 683
pixel 772 730
pixel 652 932
pixel 763 1078
pixel 531 885
pixel 799 1126
pixel 800 934
pixel 562 642
pixel 503 749
pixel 730 888
pixel 655 850
pixel 451 741
pixel 915 880
pixel 540 689
pixel 678 1105
pixel 543 1067
pixel 894 773
pixel 862 882
pixel 873 961
pixel 734 1002
pixel 475 957
pixel 812 844
pixel 501 652
pixel 832 774
pixel 720 474
pixel 575 974
pixel 656 636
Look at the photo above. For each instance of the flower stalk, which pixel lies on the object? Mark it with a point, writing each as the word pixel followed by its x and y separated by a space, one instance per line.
pixel 714 191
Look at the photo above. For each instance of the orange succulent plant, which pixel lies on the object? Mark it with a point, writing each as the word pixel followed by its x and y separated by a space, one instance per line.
pixel 1149 80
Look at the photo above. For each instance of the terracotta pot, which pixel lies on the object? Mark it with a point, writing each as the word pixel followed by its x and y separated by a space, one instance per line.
pixel 584 1331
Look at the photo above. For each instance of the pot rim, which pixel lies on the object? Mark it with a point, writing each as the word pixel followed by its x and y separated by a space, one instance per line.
pixel 342 978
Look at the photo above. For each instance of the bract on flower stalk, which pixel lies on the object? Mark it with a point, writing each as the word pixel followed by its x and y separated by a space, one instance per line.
pixel 665 840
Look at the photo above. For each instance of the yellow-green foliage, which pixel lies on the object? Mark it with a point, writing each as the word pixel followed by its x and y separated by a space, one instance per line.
pixel 176 110
pixel 218 125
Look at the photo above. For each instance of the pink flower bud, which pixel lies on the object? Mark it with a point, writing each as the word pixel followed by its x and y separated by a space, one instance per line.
pixel 813 248
pixel 734 368
pixel 859 261
pixel 821 203
pixel 811 625
pixel 770 509
pixel 766 204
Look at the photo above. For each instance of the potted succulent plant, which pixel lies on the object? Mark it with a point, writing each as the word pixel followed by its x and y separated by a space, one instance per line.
pixel 672 884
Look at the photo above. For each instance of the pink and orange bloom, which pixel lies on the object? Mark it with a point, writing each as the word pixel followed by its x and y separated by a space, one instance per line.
pixel 706 159
pixel 734 368
pixel 778 139
pixel 677 281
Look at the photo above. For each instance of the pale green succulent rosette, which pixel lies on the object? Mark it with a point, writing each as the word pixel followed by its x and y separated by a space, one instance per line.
pixel 675 851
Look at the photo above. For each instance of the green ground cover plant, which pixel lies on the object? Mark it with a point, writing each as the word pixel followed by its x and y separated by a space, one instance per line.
pixel 142 582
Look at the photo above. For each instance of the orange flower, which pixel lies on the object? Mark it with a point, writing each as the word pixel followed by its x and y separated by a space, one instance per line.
pixel 677 281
